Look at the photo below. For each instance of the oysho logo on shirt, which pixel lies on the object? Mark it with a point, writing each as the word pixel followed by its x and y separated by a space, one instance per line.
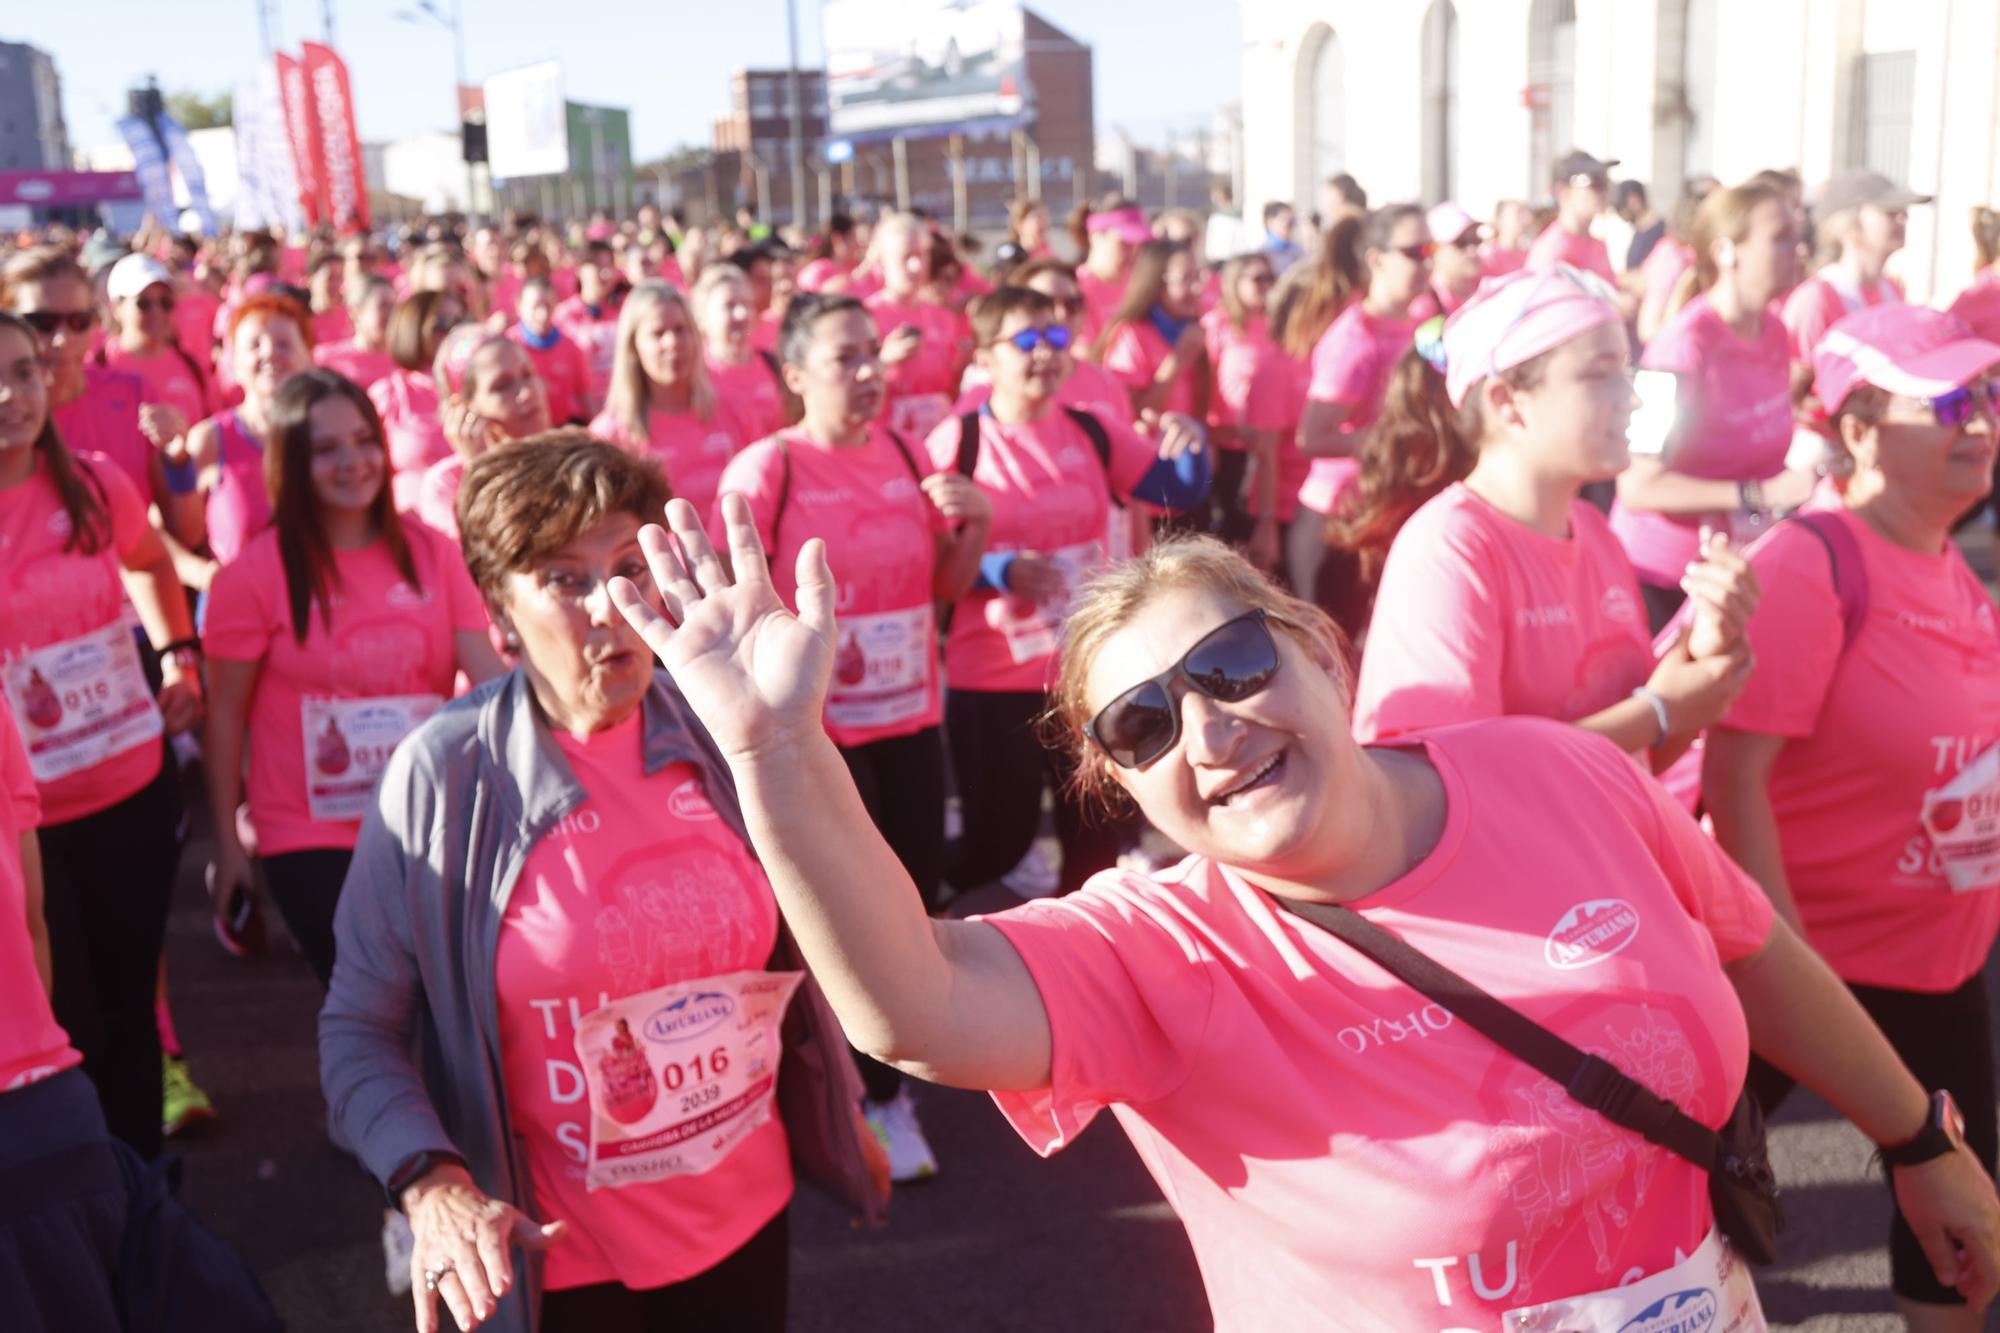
pixel 59 524
pixel 1545 617
pixel 717 443
pixel 1619 607
pixel 898 488
pixel 1070 460
pixel 1591 932
pixel 405 598
pixel 689 801
pixel 1692 1311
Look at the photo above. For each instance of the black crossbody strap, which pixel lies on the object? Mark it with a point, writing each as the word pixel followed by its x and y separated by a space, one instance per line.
pixel 1589 1079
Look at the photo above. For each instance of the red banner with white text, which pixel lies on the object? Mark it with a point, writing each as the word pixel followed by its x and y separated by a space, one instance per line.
pixel 344 182
pixel 302 128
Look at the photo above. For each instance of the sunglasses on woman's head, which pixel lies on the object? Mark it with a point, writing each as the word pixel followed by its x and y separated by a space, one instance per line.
pixel 1230 663
pixel 46 322
pixel 1055 335
pixel 1961 404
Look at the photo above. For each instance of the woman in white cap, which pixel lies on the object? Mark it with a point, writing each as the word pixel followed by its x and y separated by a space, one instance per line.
pixel 143 343
pixel 1858 777
pixel 1507 593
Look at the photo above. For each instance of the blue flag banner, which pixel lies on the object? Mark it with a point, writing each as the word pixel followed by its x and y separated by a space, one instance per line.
pixel 150 164
pixel 181 153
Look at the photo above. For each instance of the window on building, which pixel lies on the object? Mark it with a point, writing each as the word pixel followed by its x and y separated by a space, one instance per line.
pixel 763 100
pixel 1885 98
pixel 1440 84
pixel 1319 115
pixel 1551 92
pixel 1698 88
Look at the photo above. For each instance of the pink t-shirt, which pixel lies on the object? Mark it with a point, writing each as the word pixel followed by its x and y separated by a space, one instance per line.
pixel 751 388
pixel 53 596
pixel 1351 364
pixel 817 273
pixel 692 451
pixel 388 640
pixel 1498 261
pixel 764 334
pixel 1559 245
pixel 879 527
pixel 1662 270
pixel 412 420
pixel 332 326
pixel 194 324
pixel 1101 300
pixel 921 389
pixel 1335 1143
pixel 1869 733
pixel 596 332
pixel 563 371
pixel 32 1044
pixel 171 380
pixel 1051 496
pixel 436 500
pixel 639 887
pixel 239 506
pixel 1979 306
pixel 1088 387
pixel 355 361
pixel 1244 396
pixel 1434 301
pixel 1284 379
pixel 104 419
pixel 1133 355
pixel 1820 302
pixel 1481 616
pixel 1736 419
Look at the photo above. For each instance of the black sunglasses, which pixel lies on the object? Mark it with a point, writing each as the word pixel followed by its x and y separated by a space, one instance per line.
pixel 46 322
pixel 1230 663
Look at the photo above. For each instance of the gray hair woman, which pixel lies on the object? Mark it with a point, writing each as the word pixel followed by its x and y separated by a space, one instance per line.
pixel 555 890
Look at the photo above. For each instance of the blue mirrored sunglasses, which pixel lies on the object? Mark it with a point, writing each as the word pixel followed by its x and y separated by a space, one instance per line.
pixel 1957 407
pixel 1056 336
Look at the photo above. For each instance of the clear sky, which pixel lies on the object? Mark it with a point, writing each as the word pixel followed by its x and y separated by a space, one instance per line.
pixel 1160 64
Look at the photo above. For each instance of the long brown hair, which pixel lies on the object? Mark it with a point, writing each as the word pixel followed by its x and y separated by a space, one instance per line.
pixel 77 485
pixel 303 549
pixel 1144 291
pixel 1312 295
pixel 1413 451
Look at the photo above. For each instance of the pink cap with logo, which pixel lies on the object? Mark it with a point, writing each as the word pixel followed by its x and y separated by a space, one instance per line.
pixel 1518 317
pixel 1127 224
pixel 1910 350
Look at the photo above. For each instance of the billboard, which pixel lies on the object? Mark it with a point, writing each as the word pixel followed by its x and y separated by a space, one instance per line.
pixel 916 67
pixel 527 125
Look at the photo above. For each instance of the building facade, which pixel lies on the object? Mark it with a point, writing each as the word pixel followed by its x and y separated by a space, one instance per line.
pixel 1474 99
pixel 32 134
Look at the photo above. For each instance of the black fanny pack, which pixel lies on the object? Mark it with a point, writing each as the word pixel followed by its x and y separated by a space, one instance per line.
pixel 1741 1186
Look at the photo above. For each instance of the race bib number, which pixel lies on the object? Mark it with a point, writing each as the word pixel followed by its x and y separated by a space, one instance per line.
pixel 1963 819
pixel 348 744
pixel 680 1075
pixel 915 416
pixel 881 674
pixel 1034 632
pixel 1709 1293
pixel 82 701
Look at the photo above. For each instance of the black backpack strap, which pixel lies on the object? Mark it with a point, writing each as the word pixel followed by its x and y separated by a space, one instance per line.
pixel 1591 1080
pixel 770 360
pixel 968 443
pixel 910 459
pixel 1100 440
pixel 1850 575
pixel 784 490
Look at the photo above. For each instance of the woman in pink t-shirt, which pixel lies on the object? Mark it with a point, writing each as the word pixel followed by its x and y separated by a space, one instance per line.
pixel 834 253
pixel 1858 777
pixel 407 398
pixel 333 634
pixel 1506 593
pixel 491 397
pixel 908 538
pixel 561 840
pixel 662 401
pixel 924 344
pixel 1863 219
pixel 230 501
pixel 1109 234
pixel 1723 465
pixel 364 357
pixel 748 380
pixel 1331 1141
pixel 77 560
pixel 143 343
pixel 1247 410
pixel 559 363
pixel 1979 304
pixel 1153 342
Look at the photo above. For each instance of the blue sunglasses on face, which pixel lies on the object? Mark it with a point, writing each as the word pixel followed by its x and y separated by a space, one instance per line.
pixel 1958 407
pixel 1056 336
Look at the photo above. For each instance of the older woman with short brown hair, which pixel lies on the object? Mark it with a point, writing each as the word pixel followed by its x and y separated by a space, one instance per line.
pixel 555 889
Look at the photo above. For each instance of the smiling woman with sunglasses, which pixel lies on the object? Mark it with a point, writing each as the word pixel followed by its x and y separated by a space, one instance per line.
pixel 1333 1142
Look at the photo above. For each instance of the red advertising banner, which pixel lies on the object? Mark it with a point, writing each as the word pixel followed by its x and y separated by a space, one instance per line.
pixel 302 128
pixel 344 185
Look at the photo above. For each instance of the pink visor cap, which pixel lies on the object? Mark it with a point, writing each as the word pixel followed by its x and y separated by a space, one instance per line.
pixel 1516 318
pixel 1909 350
pixel 1127 224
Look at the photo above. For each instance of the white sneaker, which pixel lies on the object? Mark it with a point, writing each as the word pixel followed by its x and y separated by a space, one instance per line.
pixel 1039 873
pixel 399 1245
pixel 895 1127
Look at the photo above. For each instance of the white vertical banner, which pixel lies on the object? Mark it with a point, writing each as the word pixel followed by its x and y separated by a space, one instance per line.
pixel 527 123
pixel 267 192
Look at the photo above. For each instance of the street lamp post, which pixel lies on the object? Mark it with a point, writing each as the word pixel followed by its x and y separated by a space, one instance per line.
pixel 798 120
pixel 453 23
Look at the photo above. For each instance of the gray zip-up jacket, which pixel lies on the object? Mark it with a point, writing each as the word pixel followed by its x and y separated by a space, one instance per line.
pixel 462 803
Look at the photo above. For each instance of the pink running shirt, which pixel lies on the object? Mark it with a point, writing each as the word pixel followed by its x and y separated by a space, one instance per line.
pixel 413 422
pixel 240 505
pixel 595 330
pixel 1244 395
pixel 921 389
pixel 436 502
pixel 171 380
pixel 1979 306
pixel 1133 354
pixel 355 361
pixel 563 371
pixel 1559 245
pixel 1334 1142
pixel 1351 364
pixel 692 451
pixel 1870 732
pixel 639 887
pixel 32 1044
pixel 752 391
pixel 1662 270
pixel 1481 616
pixel 1101 300
pixel 1820 302
pixel 104 419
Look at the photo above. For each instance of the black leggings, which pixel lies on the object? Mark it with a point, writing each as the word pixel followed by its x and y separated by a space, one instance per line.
pixel 109 878
pixel 1228 514
pixel 1000 766
pixel 1947 1041
pixel 901 780
pixel 306 887
pixel 745 1293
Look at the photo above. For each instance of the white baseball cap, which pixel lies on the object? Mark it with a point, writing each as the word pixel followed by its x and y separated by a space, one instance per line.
pixel 134 274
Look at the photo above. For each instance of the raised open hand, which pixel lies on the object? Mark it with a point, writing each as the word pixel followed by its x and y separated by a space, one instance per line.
pixel 753 672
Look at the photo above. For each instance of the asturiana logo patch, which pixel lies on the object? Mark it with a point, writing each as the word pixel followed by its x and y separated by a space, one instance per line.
pixel 1591 932
pixel 689 1016
pixel 1692 1311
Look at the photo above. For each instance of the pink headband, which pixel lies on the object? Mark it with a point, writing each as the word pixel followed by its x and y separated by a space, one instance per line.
pixel 1128 224
pixel 1516 318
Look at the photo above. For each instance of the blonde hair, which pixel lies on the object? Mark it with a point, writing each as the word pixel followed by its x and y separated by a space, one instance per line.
pixel 712 277
pixel 630 397
pixel 1116 597
pixel 1725 216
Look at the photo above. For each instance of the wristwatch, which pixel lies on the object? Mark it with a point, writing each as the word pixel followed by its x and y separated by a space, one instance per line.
pixel 1943 1132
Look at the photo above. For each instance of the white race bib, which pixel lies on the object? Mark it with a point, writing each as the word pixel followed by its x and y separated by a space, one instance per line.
pixel 1034 632
pixel 82 701
pixel 915 416
pixel 1963 819
pixel 1708 1293
pixel 680 1075
pixel 882 672
pixel 348 743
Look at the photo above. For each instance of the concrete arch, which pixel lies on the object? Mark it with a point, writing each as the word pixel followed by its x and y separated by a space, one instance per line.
pixel 1319 113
